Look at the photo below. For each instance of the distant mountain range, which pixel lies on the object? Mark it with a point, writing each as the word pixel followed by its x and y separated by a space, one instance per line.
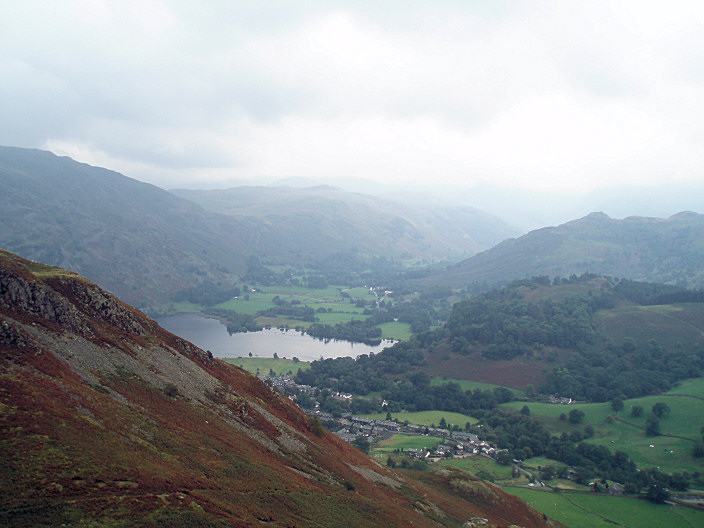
pixel 109 420
pixel 145 244
pixel 315 221
pixel 665 250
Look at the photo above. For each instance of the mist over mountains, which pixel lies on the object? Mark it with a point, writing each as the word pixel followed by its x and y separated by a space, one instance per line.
pixel 305 220
pixel 144 243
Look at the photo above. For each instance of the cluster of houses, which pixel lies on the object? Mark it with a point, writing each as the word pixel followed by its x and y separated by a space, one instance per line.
pixel 283 382
pixel 455 443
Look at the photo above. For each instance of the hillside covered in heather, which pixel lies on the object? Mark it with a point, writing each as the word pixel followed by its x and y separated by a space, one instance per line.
pixel 108 420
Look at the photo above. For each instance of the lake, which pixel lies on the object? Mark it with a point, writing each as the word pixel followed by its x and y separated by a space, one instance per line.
pixel 211 334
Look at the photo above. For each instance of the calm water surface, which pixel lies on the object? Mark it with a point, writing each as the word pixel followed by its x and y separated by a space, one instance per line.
pixel 211 334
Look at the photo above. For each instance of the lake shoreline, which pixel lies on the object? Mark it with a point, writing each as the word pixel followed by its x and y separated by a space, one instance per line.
pixel 209 333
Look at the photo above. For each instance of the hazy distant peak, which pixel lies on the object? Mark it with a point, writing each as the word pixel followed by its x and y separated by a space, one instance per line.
pixel 295 181
pixel 598 215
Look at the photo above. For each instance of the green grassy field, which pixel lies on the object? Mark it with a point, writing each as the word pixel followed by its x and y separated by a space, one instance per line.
pixel 427 417
pixel 396 331
pixel 670 454
pixel 342 311
pixel 360 293
pixel 587 510
pixel 475 464
pixel 472 385
pixel 255 303
pixel 399 441
pixel 262 366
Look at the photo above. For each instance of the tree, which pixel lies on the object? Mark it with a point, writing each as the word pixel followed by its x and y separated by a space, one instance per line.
pixel 576 416
pixel 617 404
pixel 652 426
pixel 657 493
pixel 525 410
pixel 547 473
pixel 504 458
pixel 443 423
pixel 362 444
pixel 660 409
pixel 636 411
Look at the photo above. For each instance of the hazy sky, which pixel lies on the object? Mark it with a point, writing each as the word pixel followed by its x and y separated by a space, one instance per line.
pixel 522 96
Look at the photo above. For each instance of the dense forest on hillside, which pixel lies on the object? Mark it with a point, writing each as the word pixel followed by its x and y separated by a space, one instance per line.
pixel 540 320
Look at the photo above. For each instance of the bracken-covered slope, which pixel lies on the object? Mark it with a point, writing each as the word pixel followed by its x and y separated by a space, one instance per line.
pixel 666 250
pixel 108 420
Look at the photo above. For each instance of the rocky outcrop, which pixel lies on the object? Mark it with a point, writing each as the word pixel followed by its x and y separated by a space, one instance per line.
pixel 35 298
pixel 100 305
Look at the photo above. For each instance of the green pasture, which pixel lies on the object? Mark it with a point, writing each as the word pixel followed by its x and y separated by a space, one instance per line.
pixel 300 293
pixel 588 510
pixel 669 453
pixel 536 462
pixel 475 464
pixel 691 387
pixel 594 413
pixel 360 293
pixel 466 385
pixel 255 303
pixel 399 441
pixel 281 367
pixel 395 330
pixel 427 418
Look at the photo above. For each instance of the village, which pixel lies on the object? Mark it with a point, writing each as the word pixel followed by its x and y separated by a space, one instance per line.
pixel 454 444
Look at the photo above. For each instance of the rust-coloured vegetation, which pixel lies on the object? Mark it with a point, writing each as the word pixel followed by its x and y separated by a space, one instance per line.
pixel 120 423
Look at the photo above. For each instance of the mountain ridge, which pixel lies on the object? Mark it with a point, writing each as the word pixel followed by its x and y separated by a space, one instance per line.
pixel 133 238
pixel 667 250
pixel 330 216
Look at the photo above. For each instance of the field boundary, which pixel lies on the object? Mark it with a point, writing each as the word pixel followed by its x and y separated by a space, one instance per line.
pixel 619 419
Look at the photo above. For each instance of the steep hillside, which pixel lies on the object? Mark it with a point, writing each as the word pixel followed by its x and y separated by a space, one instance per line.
pixel 108 420
pixel 134 239
pixel 316 220
pixel 667 250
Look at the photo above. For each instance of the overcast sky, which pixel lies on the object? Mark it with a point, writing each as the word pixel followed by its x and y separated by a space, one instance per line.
pixel 487 98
